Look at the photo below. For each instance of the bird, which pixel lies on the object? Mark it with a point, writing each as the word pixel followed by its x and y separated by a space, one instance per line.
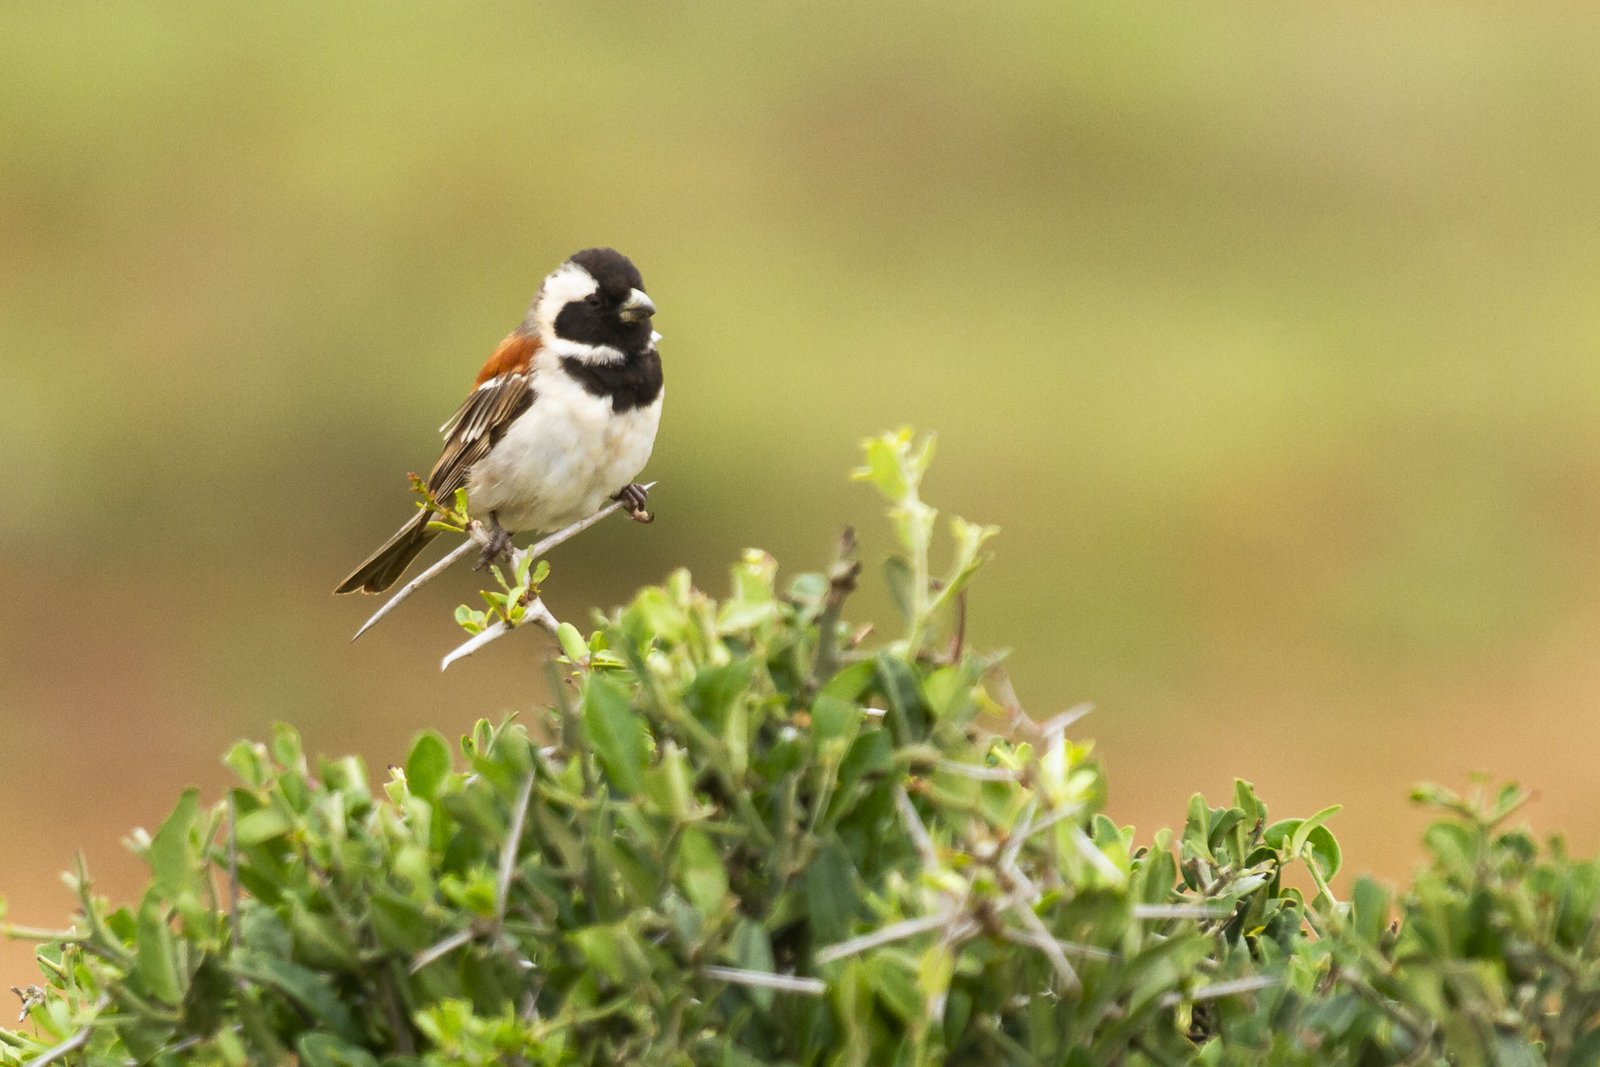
pixel 561 418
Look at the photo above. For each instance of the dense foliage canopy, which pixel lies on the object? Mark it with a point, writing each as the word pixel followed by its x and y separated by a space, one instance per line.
pixel 747 834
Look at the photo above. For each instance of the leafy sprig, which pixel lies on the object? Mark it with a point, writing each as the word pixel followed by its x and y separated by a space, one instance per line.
pixel 509 604
pixel 447 518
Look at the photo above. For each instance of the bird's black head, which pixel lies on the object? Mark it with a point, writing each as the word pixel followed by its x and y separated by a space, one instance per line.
pixel 612 271
pixel 596 303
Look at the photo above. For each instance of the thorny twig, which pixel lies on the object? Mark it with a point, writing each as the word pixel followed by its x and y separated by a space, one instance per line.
pixel 11 931
pixel 536 611
pixel 441 949
pixel 508 851
pixel 478 537
pixel 784 983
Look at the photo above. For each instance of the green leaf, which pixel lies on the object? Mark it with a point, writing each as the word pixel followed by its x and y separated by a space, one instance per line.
pixel 308 989
pixel 400 924
pixel 700 871
pixel 1303 831
pixel 1511 797
pixel 934 971
pixel 751 947
pixel 1197 828
pixel 1369 903
pixel 902 585
pixel 157 962
pixel 615 733
pixel 325 1050
pixel 752 603
pixel 896 987
pixel 1435 796
pixel 920 459
pixel 1513 1051
pixel 715 694
pixel 833 719
pixel 667 783
pixel 1322 848
pixel 872 753
pixel 573 646
pixel 970 539
pixel 1453 845
pixel 321 941
pixel 248 760
pixel 885 456
pixel 899 686
pixel 173 856
pixel 751 950
pixel 428 765
pixel 1280 835
pixel 948 694
pixel 1245 799
pixel 613 950
pixel 830 894
pixel 261 825
pixel 851 681
pixel 285 746
pixel 263 931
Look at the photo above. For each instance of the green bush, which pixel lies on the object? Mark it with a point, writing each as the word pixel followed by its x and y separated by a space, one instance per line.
pixel 751 839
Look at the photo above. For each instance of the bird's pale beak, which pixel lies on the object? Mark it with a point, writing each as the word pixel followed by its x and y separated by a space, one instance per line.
pixel 636 308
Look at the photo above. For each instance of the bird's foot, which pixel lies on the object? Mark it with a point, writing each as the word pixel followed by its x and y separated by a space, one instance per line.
pixel 633 497
pixel 497 547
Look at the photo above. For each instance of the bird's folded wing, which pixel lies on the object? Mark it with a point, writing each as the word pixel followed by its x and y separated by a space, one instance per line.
pixel 474 429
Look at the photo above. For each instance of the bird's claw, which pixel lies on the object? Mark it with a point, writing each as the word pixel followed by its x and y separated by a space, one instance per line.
pixel 496 548
pixel 633 497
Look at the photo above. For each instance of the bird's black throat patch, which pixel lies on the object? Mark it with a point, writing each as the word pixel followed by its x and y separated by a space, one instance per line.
pixel 600 324
pixel 633 383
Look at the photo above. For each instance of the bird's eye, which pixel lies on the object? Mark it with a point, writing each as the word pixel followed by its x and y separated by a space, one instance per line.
pixel 593 300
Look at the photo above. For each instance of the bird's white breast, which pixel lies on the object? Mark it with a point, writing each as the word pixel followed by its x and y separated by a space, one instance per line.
pixel 563 458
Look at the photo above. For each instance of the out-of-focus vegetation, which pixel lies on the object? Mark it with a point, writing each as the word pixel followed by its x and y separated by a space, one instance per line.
pixel 759 837
pixel 1269 337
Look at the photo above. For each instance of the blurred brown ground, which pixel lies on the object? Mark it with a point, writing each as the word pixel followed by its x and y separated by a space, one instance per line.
pixel 1269 338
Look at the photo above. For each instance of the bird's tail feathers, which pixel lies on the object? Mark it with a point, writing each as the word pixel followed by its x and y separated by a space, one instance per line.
pixel 387 564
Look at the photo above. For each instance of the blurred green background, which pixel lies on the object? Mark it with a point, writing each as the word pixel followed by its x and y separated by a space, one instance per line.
pixel 1268 336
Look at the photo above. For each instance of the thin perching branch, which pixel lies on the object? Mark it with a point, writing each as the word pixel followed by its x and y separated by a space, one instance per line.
pixel 508 851
pixel 507 868
pixel 1182 911
pixel 887 935
pixel 441 949
pixel 417 583
pixel 915 828
pixel 1220 989
pixel 1020 903
pixel 1033 940
pixel 11 931
pixel 478 537
pixel 784 983
pixel 493 632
